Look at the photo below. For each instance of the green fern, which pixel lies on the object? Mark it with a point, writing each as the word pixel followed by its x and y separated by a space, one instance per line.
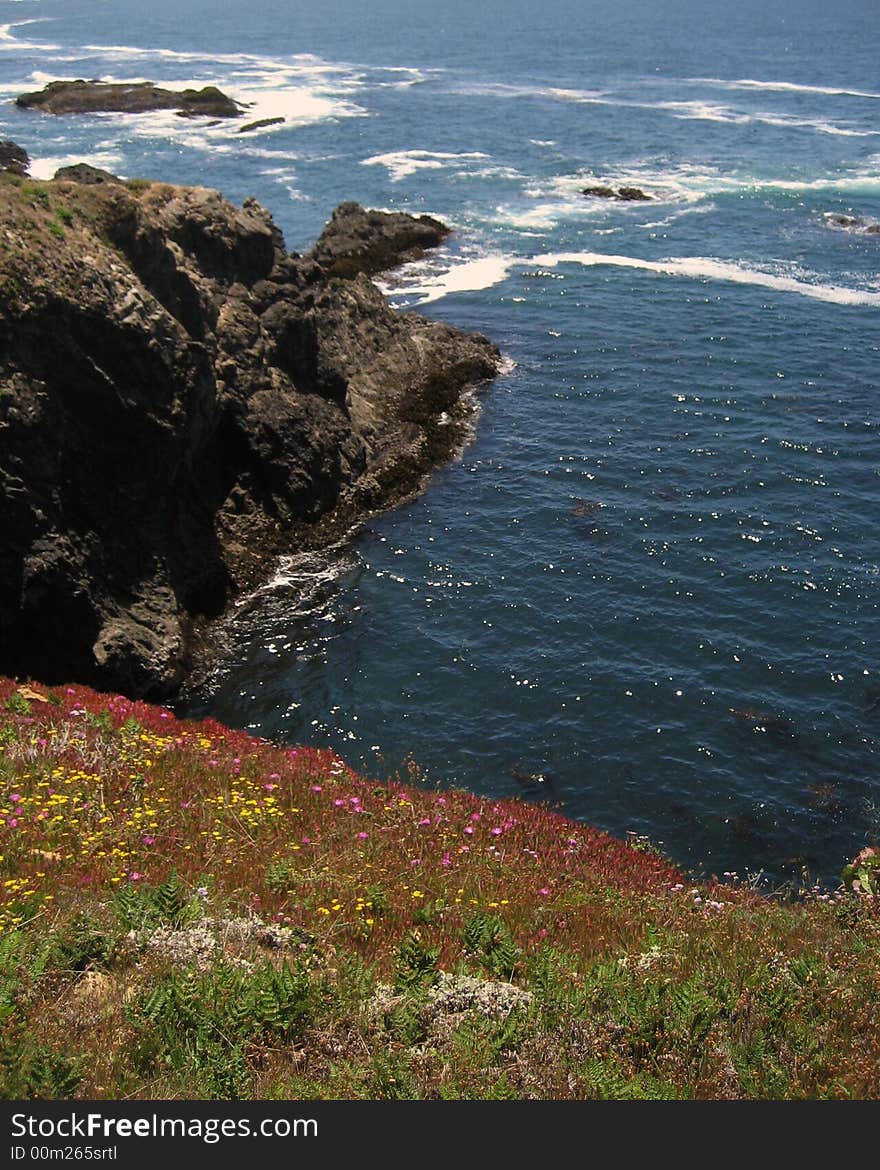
pixel 489 938
pixel 502 1090
pixel 404 1022
pixel 391 1079
pixel 168 904
pixel 416 963
pixel 81 944
pixel 605 1082
pixel 31 1070
pixel 172 904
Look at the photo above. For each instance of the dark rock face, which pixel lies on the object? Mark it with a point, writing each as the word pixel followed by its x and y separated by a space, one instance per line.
pixel 181 401
pixel 13 158
pixel 626 194
pixel 356 240
pixel 99 97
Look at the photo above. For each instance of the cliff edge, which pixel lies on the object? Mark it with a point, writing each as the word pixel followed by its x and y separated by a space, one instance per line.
pixel 181 400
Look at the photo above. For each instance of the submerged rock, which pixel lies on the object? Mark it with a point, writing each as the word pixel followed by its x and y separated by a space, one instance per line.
pixel 260 124
pixel 181 400
pixel 100 97
pixel 356 240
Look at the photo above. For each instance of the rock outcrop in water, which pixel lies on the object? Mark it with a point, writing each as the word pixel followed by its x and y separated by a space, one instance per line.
pixel 13 158
pixel 356 240
pixel 260 124
pixel 102 97
pixel 181 400
pixel 624 194
pixel 853 223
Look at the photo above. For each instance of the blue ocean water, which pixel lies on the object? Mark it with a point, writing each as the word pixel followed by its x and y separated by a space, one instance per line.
pixel 652 578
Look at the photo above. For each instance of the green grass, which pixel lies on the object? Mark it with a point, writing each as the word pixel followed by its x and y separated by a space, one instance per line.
pixel 189 912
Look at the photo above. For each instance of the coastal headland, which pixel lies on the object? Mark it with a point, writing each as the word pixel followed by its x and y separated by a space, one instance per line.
pixel 182 400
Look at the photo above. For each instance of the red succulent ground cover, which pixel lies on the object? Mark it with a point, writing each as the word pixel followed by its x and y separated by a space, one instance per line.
pixel 162 881
pixel 110 790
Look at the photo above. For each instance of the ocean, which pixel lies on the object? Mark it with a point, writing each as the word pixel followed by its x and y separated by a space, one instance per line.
pixel 647 591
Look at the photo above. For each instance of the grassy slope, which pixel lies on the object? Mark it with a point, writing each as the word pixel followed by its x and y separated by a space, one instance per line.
pixel 190 912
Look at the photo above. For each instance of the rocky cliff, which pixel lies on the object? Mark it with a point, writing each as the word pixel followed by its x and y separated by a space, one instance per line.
pixel 181 400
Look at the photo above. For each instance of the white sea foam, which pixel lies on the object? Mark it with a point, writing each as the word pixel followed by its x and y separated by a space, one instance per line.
pixel 689 187
pixel 510 90
pixel 561 198
pixel 158 53
pixel 494 171
pixel 426 284
pixel 402 163
pixel 686 183
pixel 297 105
pixel 410 76
pixel 699 209
pixel 709 112
pixel 784 87
pixel 10 42
pixel 311 572
pixel 543 216
pixel 859 182
pixel 301 88
pixel 45 167
pixel 707 268
pixel 39 78
pixel 691 110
